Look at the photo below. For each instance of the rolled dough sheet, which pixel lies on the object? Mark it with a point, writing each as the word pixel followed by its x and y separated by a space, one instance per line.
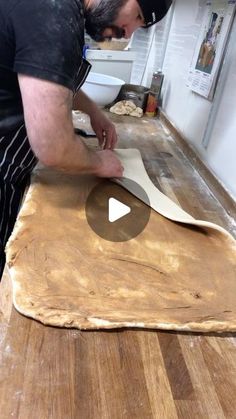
pixel 173 276
pixel 134 169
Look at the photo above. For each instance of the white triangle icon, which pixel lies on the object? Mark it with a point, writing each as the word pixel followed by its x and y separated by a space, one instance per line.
pixel 116 210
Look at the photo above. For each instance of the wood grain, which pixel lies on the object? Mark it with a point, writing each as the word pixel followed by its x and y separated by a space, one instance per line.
pixel 47 372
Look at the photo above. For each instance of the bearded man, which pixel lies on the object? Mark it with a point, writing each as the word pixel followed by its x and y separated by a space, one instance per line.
pixel 41 72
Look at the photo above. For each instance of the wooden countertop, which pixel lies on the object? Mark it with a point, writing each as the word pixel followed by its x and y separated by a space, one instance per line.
pixel 48 372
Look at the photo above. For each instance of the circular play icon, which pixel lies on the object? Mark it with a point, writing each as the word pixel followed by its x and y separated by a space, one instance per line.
pixel 116 214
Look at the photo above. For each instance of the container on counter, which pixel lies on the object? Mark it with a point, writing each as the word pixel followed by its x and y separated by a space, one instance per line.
pixel 151 107
pixel 153 100
pixel 137 94
pixel 157 81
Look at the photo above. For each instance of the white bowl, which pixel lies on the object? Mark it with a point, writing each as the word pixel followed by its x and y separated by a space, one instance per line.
pixel 102 89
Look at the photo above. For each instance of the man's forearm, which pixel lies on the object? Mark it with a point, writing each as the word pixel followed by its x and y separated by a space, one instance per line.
pixel 56 145
pixel 77 158
pixel 83 103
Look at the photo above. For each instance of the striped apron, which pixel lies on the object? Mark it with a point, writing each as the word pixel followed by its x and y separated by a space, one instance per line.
pixel 17 161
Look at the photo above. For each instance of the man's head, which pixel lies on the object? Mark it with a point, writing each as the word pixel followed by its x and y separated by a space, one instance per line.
pixel 105 19
pixel 100 15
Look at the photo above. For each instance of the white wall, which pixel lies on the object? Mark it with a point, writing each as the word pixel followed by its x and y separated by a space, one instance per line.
pixel 191 113
pixel 149 45
pixel 221 152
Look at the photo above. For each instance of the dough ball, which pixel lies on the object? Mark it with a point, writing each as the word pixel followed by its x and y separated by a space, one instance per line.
pixel 126 107
pixel 118 108
pixel 138 112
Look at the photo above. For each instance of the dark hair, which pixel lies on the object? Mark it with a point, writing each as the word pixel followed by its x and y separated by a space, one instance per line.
pixel 102 16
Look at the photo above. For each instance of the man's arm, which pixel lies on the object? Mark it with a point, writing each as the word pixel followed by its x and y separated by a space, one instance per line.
pixel 47 112
pixel 83 103
pixel 103 127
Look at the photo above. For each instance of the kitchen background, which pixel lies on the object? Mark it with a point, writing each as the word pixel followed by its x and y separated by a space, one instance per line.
pixel 208 125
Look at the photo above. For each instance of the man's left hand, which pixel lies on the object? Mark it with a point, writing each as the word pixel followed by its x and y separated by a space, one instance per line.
pixel 104 129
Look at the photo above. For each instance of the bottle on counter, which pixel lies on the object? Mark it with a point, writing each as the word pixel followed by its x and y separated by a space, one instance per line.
pixel 154 95
pixel 151 107
pixel 157 81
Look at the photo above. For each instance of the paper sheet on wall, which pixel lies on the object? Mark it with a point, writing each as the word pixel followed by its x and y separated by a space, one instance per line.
pixel 210 47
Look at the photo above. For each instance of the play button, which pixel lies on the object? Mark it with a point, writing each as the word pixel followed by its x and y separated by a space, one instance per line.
pixel 117 210
pixel 115 214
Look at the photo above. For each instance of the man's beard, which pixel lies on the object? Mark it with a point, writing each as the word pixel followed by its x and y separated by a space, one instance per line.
pixel 101 17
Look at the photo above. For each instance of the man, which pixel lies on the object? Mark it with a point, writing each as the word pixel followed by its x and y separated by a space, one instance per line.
pixel 41 72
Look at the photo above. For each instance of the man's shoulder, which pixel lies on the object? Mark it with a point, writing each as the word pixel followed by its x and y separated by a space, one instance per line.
pixel 44 17
pixel 39 6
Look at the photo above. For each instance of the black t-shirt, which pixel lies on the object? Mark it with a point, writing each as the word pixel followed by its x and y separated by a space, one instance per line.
pixel 43 39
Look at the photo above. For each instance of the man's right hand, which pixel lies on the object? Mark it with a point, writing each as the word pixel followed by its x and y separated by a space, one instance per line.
pixel 109 166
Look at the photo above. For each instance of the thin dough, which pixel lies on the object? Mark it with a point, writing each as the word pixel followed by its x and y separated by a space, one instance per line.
pixel 134 169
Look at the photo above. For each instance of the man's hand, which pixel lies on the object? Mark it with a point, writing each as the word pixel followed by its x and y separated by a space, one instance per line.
pixel 104 129
pixel 110 165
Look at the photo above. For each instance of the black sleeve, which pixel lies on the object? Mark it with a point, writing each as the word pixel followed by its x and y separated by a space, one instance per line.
pixel 48 39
